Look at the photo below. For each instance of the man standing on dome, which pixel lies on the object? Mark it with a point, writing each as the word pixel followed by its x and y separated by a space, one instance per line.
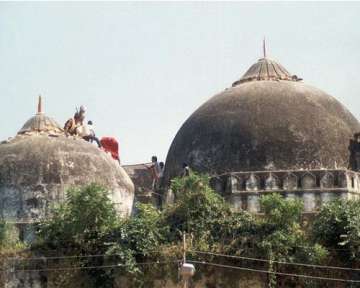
pixel 155 171
pixel 80 115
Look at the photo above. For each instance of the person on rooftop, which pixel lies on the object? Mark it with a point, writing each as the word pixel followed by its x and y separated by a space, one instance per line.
pixel 186 170
pixel 72 125
pixel 155 170
pixel 88 133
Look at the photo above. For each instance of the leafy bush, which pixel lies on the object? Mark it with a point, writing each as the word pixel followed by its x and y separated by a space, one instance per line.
pixel 87 224
pixel 86 216
pixel 78 227
pixel 337 226
pixel 142 233
pixel 198 210
pixel 9 242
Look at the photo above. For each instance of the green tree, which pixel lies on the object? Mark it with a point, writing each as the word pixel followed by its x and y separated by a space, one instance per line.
pixel 276 235
pixel 142 236
pixel 79 226
pixel 144 232
pixel 337 227
pixel 87 224
pixel 198 210
pixel 86 215
pixel 281 237
pixel 9 242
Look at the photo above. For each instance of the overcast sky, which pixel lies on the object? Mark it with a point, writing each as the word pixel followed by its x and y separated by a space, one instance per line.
pixel 141 69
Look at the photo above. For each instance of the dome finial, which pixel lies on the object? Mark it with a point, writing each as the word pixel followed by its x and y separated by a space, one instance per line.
pixel 264 48
pixel 39 110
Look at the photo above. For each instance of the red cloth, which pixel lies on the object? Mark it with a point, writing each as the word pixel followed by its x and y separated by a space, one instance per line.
pixel 110 144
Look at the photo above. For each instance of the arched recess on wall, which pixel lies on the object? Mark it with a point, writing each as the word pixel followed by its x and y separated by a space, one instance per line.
pixel 327 180
pixel 252 183
pixel 290 182
pixel 308 181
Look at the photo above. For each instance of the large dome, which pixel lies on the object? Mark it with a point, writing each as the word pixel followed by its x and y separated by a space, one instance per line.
pixel 268 120
pixel 41 163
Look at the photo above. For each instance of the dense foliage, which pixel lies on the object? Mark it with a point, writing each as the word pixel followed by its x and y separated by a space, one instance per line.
pixel 198 211
pixel 337 227
pixel 87 224
pixel 79 226
pixel 9 242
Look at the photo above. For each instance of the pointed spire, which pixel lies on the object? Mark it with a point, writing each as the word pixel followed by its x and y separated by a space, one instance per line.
pixel 39 110
pixel 264 48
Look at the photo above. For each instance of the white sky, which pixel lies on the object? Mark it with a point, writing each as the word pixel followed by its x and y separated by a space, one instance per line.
pixel 142 68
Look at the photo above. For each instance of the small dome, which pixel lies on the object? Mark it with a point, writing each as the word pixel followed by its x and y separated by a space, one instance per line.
pixel 41 123
pixel 266 69
pixel 41 163
pixel 36 170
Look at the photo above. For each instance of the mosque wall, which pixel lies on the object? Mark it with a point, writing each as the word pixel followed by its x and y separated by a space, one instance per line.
pixel 313 187
pixel 37 170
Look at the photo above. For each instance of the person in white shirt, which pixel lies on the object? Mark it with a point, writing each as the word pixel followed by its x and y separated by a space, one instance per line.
pixel 88 133
pixel 156 171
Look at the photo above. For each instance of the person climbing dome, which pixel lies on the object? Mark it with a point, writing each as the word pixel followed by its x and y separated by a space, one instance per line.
pixel 186 170
pixel 88 133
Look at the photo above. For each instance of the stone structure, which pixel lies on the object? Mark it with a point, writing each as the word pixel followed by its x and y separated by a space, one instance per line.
pixel 142 177
pixel 314 187
pixel 269 124
pixel 41 163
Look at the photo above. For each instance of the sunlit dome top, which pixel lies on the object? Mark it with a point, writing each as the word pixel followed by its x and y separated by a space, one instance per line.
pixel 41 123
pixel 266 69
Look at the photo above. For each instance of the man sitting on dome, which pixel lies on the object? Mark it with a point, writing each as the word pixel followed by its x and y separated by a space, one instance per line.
pixel 88 134
pixel 71 125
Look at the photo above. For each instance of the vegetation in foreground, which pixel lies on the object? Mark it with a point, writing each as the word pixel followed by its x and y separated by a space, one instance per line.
pixel 108 248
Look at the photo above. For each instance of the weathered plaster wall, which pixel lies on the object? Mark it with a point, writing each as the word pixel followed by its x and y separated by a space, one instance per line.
pixel 35 172
pixel 264 125
pixel 315 187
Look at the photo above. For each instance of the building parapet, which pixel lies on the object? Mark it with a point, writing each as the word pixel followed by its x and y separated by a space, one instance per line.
pixel 314 187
